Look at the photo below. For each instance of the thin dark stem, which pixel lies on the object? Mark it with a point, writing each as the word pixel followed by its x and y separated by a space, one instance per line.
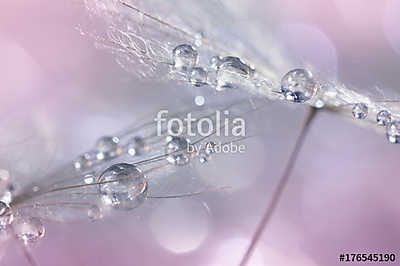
pixel 280 188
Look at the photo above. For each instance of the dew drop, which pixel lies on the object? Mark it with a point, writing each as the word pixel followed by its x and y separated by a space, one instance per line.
pixel 6 215
pixel 184 57
pixel 28 229
pixel 137 146
pixel 84 161
pixel 205 154
pixel 124 186
pixel 360 111
pixel 383 118
pixel 215 62
pixel 107 147
pixel 393 132
pixel 232 73
pixel 198 76
pixel 199 100
pixel 89 178
pixel 298 85
pixel 95 213
pixel 177 150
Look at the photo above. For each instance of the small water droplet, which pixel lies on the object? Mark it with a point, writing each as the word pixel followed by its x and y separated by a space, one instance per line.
pixel 124 186
pixel 215 62
pixel 319 104
pixel 107 147
pixel 184 57
pixel 298 86
pixel 84 161
pixel 360 111
pixel 6 215
pixel 95 213
pixel 383 118
pixel 232 73
pixel 198 76
pixel 177 148
pixel 199 100
pixel 137 146
pixel 28 229
pixel 393 132
pixel 89 178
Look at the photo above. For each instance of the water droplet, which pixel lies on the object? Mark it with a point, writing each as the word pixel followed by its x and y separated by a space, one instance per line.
pixel 107 147
pixel 184 57
pixel 28 229
pixel 95 213
pixel 319 104
pixel 124 186
pixel 84 161
pixel 137 146
pixel 393 132
pixel 360 111
pixel 205 154
pixel 215 62
pixel 6 215
pixel 89 178
pixel 199 39
pixel 298 86
pixel 383 118
pixel 232 73
pixel 198 76
pixel 177 148
pixel 199 100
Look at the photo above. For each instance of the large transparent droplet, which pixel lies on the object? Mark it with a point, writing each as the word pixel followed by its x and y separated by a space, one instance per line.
pixel 298 85
pixel 383 118
pixel 184 57
pixel 360 111
pixel 177 149
pixel 6 215
pixel 137 146
pixel 393 132
pixel 232 73
pixel 198 76
pixel 107 148
pixel 124 186
pixel 28 229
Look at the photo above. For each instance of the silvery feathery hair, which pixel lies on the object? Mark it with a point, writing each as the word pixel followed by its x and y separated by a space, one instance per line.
pixel 166 40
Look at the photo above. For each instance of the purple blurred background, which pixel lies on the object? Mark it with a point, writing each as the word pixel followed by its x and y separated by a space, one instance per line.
pixel 58 94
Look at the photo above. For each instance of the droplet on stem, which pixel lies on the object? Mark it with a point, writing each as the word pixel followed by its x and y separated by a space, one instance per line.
pixel 137 146
pixel 107 147
pixel 177 150
pixel 6 215
pixel 123 186
pixel 383 118
pixel 360 111
pixel 184 57
pixel 298 86
pixel 393 132
pixel 198 76
pixel 232 73
pixel 28 229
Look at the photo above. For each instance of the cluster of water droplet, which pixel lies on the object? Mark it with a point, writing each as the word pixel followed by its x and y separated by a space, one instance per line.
pixel 108 148
pixel 383 118
pixel 222 72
